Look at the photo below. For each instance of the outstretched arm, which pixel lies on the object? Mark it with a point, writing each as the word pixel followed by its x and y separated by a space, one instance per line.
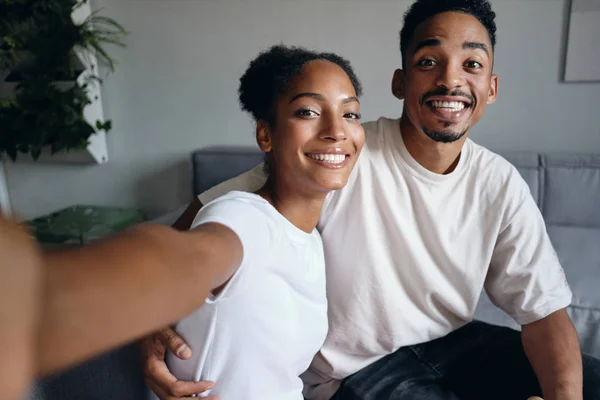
pixel 99 296
pixel 20 282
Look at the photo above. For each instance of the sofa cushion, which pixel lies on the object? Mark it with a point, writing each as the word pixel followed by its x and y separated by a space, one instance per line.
pixel 487 312
pixel 528 165
pixel 572 190
pixel 587 324
pixel 116 375
pixel 214 165
pixel 579 253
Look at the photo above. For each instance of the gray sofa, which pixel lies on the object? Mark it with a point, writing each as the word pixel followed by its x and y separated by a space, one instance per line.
pixel 565 187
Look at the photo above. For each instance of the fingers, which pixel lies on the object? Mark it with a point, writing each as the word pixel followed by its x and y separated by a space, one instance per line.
pixel 183 390
pixel 175 343
pixel 163 383
pixel 157 373
pixel 163 395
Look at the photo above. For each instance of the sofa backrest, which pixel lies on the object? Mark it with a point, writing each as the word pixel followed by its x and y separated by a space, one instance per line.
pixel 214 165
pixel 566 188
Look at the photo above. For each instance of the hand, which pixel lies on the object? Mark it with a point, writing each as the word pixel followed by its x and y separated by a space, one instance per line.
pixel 157 374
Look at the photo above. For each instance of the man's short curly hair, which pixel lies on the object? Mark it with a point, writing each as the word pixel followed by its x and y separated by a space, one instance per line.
pixel 270 73
pixel 422 10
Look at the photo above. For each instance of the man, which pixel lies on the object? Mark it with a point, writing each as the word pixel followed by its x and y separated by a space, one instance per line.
pixel 427 220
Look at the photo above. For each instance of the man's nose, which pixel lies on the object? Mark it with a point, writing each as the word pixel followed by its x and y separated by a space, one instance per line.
pixel 451 76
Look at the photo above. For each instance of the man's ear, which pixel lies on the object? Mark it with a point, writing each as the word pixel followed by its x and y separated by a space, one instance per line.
pixel 398 84
pixel 493 92
pixel 263 136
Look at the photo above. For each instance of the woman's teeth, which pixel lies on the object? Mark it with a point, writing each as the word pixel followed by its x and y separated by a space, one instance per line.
pixel 449 105
pixel 329 158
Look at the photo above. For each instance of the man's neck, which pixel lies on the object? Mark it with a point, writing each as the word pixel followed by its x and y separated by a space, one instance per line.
pixel 440 158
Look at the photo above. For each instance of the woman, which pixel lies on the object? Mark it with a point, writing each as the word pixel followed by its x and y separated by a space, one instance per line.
pixel 256 256
pixel 267 314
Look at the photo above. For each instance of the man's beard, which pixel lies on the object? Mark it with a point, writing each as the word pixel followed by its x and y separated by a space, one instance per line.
pixel 444 136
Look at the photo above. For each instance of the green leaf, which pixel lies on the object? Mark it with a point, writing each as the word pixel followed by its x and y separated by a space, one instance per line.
pixel 106 126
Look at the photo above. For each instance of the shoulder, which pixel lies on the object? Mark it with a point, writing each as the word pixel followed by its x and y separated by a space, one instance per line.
pixel 240 211
pixel 379 135
pixel 376 131
pixel 497 174
pixel 490 164
pixel 380 125
pixel 238 202
pixel 249 181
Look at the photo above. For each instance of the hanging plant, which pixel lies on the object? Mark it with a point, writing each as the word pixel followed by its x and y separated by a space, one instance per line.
pixel 43 48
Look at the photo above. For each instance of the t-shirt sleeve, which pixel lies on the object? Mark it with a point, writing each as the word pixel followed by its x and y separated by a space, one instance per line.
pixel 252 226
pixel 525 278
pixel 249 181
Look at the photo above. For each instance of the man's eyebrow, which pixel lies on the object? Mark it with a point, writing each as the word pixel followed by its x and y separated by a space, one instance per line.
pixel 428 43
pixel 350 99
pixel 316 96
pixel 476 45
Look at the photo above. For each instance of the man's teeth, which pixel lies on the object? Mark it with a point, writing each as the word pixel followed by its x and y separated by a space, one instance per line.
pixel 329 158
pixel 450 105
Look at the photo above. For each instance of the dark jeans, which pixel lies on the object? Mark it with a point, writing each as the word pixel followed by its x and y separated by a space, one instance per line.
pixel 479 362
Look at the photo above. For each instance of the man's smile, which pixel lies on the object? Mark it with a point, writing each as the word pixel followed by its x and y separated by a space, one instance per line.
pixel 448 109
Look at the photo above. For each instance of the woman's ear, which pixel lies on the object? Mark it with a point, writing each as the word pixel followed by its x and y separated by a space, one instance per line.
pixel 263 136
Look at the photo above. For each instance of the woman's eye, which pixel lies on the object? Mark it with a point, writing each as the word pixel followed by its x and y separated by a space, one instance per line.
pixel 473 64
pixel 352 116
pixel 306 112
pixel 426 63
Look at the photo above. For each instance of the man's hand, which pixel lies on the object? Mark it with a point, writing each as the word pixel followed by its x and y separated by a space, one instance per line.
pixel 157 374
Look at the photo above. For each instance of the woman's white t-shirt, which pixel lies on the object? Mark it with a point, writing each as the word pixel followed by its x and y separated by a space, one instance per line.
pixel 261 332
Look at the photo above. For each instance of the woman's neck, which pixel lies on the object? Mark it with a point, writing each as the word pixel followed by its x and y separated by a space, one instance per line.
pixel 301 209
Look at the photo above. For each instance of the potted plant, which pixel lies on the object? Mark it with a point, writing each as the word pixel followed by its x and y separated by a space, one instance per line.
pixel 48 56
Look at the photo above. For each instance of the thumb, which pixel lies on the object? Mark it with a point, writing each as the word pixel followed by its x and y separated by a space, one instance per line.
pixel 175 343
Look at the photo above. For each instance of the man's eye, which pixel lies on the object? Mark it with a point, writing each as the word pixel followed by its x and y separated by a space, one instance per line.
pixel 306 112
pixel 352 116
pixel 426 63
pixel 473 64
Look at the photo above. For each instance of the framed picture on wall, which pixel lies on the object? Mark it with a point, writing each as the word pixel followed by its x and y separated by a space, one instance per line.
pixel 582 62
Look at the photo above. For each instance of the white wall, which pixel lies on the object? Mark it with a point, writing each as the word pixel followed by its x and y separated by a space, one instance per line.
pixel 175 89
